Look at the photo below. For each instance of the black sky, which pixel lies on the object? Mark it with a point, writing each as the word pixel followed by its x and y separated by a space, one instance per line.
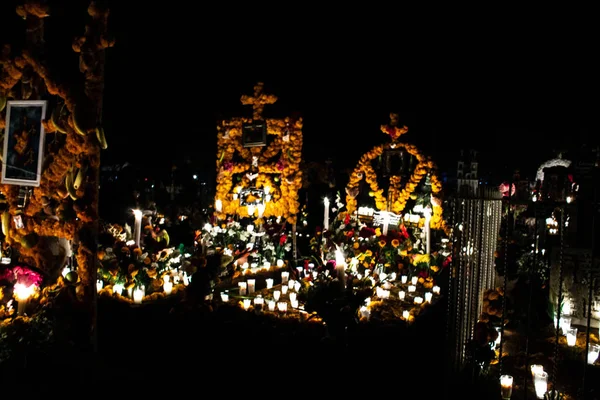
pixel 511 83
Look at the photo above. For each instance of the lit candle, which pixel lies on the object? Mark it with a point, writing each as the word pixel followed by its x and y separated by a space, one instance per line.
pixel 418 300
pixel 279 263
pixel 405 314
pixel 22 293
pixel 137 228
pixel 276 295
pixel 271 305
pixel 428 296
pixel 99 285
pixel 247 303
pixel 243 286
pixel 224 297
pixel 284 289
pixel 251 285
pixel 167 287
pixel 436 290
pixel 138 295
pixel 593 353
pixel 294 303
pixel 411 288
pixel 506 382
pixel 404 279
pixel 259 301
pixel 340 266
pixel 540 382
pixel 571 336
pixel 285 275
pixel 326 215
pixel 282 306
pixel 269 283
pixel 293 296
pixel 291 284
pixel 401 294
pixel 414 280
pixel 427 229
pixel 297 286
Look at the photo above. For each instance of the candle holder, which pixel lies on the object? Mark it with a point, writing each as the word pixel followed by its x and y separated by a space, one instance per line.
pixel 404 279
pixel 251 285
pixel 535 368
pixel 401 295
pixel 540 382
pixel 269 282
pixel 593 353
pixel 285 276
pixel 414 280
pixel 506 384
pixel 571 336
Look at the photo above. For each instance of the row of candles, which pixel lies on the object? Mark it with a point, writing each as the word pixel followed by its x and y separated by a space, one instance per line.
pixel 570 332
pixel 138 293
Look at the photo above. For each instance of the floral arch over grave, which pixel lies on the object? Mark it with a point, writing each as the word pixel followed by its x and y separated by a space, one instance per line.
pixel 398 194
pixel 258 164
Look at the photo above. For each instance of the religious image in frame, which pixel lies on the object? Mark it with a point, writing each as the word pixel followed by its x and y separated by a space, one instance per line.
pixel 23 142
pixel 254 134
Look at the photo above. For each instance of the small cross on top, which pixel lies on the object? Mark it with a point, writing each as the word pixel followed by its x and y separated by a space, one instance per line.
pixel 258 100
pixel 392 128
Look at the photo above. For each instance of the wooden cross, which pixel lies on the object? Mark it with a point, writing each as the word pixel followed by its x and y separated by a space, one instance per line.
pixel 392 128
pixel 258 100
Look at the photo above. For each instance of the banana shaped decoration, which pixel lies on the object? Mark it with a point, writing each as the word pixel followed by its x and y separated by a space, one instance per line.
pixel 56 118
pixel 69 183
pixel 101 138
pixel 5 223
pixel 80 176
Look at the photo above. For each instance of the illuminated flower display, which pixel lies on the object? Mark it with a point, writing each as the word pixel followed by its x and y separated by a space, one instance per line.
pixel 258 177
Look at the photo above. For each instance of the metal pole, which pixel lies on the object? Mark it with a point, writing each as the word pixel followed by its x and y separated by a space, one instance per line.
pixel 559 301
pixel 505 283
pixel 534 264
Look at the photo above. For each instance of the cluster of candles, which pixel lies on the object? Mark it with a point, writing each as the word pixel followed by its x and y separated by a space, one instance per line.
pixel 383 292
pixel 540 380
pixel 138 293
pixel 289 288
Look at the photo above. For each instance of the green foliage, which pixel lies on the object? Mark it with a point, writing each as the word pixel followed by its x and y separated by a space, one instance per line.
pixel 23 336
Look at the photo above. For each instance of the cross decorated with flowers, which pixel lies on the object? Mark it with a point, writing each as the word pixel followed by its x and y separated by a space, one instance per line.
pixel 258 100
pixel 392 128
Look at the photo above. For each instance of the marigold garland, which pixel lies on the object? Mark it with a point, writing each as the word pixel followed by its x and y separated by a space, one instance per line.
pixel 397 196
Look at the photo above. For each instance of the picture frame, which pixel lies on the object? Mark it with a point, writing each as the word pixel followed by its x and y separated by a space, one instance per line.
pixel 252 196
pixel 254 134
pixel 395 162
pixel 24 138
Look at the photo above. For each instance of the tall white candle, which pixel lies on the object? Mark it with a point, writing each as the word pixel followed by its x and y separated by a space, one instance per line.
pixel 326 215
pixel 137 228
pixel 427 228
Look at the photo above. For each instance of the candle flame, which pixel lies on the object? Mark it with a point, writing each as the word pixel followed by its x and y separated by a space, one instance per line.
pixel 23 292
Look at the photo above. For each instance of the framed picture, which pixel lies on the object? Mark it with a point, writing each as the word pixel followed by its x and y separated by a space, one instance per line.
pixel 254 134
pixel 23 142
pixel 252 196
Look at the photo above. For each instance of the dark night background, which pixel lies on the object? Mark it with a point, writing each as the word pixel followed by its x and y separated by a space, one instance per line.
pixel 512 84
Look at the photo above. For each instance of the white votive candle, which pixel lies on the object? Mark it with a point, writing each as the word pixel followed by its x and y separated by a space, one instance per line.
pixel 405 314
pixel 242 286
pixel 401 294
pixel 138 295
pixel 284 289
pixel 269 283
pixel 294 303
pixel 428 296
pixel 404 279
pixel 292 296
pixel 436 290
pixel 251 285
pixel 259 301
pixel 593 353
pixel 271 305
pixel 418 300
pixel 167 287
pixel 282 306
pixel 297 286
pixel 506 382
pixel 411 288
pixel 285 275
pixel 291 284
pixel 414 280
pixel 276 295
pixel 280 263
pixel 571 336
pixel 247 303
pixel 224 297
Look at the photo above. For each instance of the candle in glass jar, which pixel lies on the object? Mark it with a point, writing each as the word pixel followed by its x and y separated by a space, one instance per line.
pixel 297 286
pixel 282 306
pixel 224 297
pixel 294 303
pixel 414 280
pixel 404 279
pixel 401 294
pixel 271 305
pixel 279 263
pixel 405 314
pixel 242 286
pixel 251 285
pixel 535 368
pixel 247 303
pixel 593 353
pixel 292 296
pixel 276 295
pixel 428 296
pixel 540 382
pixel 138 295
pixel 411 288
pixel 291 284
pixel 571 336
pixel 418 300
pixel 506 383
pixel 285 275
pixel 167 287
pixel 284 289
pixel 436 290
